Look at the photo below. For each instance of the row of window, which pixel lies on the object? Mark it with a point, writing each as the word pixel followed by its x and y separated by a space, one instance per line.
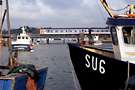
pixel 85 30
pixel 128 35
pixel 22 37
pixel 100 31
pixel 67 31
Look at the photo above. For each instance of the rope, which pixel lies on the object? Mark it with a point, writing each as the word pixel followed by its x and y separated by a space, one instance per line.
pixel 126 1
pixel 119 9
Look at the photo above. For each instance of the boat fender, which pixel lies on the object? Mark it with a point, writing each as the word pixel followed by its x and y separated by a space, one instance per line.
pixel 29 69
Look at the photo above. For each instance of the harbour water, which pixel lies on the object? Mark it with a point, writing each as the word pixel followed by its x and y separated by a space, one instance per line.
pixel 57 58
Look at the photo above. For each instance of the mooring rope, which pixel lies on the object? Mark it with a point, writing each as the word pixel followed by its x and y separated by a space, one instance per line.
pixel 119 9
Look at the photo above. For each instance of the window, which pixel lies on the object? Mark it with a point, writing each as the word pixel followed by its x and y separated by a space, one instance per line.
pixel 19 37
pixel 114 36
pixel 48 30
pixel 56 30
pixel 22 37
pixel 82 30
pixel 129 35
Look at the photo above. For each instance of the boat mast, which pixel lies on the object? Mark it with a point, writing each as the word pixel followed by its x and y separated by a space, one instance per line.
pixel 2 17
pixel 1 24
pixel 106 6
pixel 9 33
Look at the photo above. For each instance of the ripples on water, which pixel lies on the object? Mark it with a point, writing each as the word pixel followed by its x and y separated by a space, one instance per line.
pixel 56 57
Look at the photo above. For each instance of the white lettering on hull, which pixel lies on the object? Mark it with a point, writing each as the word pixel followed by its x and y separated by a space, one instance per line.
pixel 95 64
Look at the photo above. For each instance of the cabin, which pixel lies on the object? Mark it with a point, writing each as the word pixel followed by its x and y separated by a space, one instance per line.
pixel 123 38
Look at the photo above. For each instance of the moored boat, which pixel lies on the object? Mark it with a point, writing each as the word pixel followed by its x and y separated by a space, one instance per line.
pixel 23 41
pixel 18 76
pixel 106 70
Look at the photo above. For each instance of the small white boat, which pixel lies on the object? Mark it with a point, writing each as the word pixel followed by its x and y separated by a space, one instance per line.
pixel 96 40
pixel 23 41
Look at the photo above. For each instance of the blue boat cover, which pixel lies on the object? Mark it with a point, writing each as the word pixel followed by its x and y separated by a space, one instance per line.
pixel 20 81
pixel 121 21
pixel 6 84
pixel 42 73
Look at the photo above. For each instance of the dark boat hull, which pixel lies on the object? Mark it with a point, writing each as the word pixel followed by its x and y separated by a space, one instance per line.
pixel 95 71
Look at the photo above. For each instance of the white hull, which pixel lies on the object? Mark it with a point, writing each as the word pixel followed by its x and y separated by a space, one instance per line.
pixel 98 43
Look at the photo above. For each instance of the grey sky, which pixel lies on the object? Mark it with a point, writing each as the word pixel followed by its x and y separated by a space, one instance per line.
pixel 60 13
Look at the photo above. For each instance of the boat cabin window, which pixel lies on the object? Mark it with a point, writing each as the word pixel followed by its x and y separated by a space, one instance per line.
pixel 114 36
pixel 22 37
pixel 19 37
pixel 129 34
pixel 26 37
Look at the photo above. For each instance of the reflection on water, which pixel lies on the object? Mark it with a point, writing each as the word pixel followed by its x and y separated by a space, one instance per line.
pixel 3 55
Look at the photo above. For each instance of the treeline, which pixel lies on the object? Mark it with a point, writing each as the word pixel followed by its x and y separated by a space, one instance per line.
pixel 31 30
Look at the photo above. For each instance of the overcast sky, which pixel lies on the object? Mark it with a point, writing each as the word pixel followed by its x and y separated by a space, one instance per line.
pixel 60 13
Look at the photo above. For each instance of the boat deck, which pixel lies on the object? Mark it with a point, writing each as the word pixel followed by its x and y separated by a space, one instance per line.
pixel 99 51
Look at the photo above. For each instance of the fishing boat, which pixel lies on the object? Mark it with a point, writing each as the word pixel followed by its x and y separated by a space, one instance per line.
pixel 23 41
pixel 18 76
pixel 98 69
